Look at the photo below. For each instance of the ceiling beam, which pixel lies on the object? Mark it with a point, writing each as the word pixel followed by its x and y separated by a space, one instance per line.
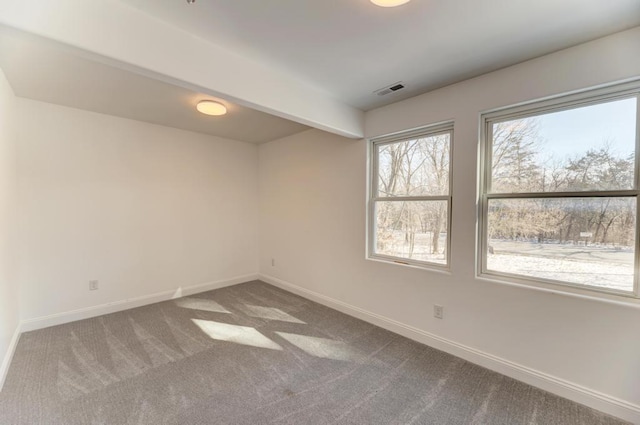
pixel 129 38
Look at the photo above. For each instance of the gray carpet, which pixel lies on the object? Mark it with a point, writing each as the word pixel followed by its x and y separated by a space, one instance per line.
pixel 254 354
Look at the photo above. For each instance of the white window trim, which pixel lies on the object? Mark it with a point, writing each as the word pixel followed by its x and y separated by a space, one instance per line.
pixel 372 181
pixel 529 109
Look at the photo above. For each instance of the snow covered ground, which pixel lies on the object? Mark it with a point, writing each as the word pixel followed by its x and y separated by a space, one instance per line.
pixel 592 265
pixel 604 267
pixel 422 247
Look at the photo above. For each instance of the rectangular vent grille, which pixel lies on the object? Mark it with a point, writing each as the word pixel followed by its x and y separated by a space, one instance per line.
pixel 390 89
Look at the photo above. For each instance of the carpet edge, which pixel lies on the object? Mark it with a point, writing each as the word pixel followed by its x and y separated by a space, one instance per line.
pixel 599 401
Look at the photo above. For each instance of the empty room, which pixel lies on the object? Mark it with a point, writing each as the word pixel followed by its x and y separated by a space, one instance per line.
pixel 364 212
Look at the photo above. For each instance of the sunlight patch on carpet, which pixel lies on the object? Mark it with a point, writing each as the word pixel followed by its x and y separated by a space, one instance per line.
pixel 201 304
pixel 269 313
pixel 322 347
pixel 233 333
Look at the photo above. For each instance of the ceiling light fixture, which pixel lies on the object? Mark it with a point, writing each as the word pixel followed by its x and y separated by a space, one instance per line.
pixel 209 107
pixel 389 3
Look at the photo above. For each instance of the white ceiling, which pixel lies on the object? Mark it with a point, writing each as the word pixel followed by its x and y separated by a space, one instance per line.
pixel 44 70
pixel 349 48
pixel 313 62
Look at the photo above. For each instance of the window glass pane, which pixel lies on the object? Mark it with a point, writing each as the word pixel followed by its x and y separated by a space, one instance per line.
pixel 584 241
pixel 412 229
pixel 582 149
pixel 418 167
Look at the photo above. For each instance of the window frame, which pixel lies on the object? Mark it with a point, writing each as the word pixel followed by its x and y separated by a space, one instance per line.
pixel 373 181
pixel 537 108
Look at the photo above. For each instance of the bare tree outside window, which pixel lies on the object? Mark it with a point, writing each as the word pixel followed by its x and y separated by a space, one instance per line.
pixel 411 197
pixel 560 196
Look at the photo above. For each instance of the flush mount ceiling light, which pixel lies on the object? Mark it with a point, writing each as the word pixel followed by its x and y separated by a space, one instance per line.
pixel 389 3
pixel 209 107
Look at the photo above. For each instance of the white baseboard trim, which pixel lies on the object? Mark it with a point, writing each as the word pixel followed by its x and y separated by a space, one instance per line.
pixel 112 307
pixel 8 356
pixel 594 399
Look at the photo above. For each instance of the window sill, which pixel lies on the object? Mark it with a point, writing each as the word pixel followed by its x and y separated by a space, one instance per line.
pixel 413 265
pixel 625 300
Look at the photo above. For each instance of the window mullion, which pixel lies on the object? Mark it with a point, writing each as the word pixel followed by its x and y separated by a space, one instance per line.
pixel 636 180
pixel 636 277
pixel 636 280
pixel 591 194
pixel 411 198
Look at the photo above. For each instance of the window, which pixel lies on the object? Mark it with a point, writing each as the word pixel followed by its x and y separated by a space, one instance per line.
pixel 559 193
pixel 410 200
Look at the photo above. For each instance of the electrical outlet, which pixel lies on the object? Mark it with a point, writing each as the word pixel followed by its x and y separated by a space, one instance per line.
pixel 438 311
pixel 93 285
pixel 273 262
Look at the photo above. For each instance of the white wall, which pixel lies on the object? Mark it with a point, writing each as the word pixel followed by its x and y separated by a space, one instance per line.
pixel 313 209
pixel 139 207
pixel 9 295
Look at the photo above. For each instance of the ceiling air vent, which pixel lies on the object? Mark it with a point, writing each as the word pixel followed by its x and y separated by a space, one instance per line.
pixel 390 89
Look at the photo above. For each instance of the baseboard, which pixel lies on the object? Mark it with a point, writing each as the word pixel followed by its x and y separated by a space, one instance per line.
pixel 112 307
pixel 8 356
pixel 594 399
